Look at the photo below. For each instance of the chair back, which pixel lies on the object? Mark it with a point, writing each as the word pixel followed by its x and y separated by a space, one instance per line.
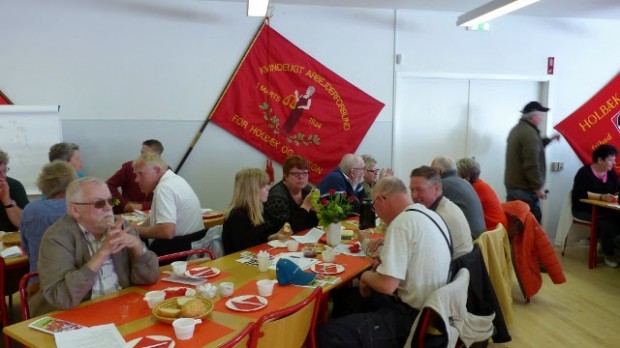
pixel 567 221
pixel 184 255
pixel 25 292
pixel 241 340
pixel 289 327
pixel 9 284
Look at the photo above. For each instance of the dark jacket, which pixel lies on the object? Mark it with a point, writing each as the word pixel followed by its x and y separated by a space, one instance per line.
pixel 525 157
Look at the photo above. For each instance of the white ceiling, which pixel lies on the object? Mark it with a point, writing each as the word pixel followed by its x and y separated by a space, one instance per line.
pixel 601 9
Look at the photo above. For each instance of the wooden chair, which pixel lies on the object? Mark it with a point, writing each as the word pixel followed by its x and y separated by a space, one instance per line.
pixel 567 221
pixel 242 339
pixel 165 259
pixel 24 294
pixel 289 327
pixel 9 284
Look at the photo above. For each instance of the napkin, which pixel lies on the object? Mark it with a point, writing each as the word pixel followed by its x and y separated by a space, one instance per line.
pixel 248 303
pixel 204 272
pixel 149 342
pixel 175 293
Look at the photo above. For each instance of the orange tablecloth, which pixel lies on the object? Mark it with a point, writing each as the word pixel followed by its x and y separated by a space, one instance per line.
pixel 118 310
pixel 204 333
pixel 280 298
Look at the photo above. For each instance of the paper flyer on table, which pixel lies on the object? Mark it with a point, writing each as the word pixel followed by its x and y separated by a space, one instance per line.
pixel 101 336
pixel 297 257
pixel 312 237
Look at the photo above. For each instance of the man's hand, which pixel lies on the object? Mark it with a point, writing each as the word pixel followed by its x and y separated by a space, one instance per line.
pixel 385 172
pixel 542 194
pixel 131 206
pixel 5 193
pixel 118 238
pixel 374 244
pixel 556 136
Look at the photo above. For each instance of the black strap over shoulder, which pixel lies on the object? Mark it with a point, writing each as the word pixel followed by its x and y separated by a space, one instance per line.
pixel 447 238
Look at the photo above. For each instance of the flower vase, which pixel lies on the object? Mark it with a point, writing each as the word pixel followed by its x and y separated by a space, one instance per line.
pixel 334 233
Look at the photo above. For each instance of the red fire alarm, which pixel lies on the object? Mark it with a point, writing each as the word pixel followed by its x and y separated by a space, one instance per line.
pixel 550 64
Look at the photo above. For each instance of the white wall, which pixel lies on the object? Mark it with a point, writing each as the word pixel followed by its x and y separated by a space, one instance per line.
pixel 127 70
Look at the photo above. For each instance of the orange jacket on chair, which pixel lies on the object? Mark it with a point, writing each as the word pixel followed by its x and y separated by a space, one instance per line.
pixel 530 245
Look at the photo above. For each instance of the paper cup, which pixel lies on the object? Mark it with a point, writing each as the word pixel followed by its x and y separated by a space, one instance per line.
pixel 179 267
pixel 265 287
pixel 153 298
pixel 329 255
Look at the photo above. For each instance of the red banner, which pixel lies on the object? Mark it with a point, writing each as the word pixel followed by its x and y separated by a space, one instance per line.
pixel 4 99
pixel 595 123
pixel 284 102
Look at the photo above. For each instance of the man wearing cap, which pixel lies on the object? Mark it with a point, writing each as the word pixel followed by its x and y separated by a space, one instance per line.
pixel 414 262
pixel 525 172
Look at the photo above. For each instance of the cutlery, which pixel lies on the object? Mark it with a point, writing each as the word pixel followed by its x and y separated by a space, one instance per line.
pixel 157 344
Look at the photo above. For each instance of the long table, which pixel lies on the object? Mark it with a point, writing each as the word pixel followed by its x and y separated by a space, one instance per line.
pixel 596 205
pixel 127 310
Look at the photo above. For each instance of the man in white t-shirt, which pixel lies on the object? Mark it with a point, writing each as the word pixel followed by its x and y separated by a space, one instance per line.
pixel 176 219
pixel 414 262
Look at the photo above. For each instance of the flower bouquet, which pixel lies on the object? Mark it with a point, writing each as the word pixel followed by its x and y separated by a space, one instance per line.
pixel 332 208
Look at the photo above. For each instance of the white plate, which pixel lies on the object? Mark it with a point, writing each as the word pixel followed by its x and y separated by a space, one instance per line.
pixel 215 272
pixel 232 306
pixel 135 341
pixel 318 268
pixel 188 292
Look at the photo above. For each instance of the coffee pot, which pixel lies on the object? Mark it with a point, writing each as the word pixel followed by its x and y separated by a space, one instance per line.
pixel 367 214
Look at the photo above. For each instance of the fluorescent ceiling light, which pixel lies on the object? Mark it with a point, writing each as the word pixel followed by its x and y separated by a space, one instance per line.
pixel 257 8
pixel 490 11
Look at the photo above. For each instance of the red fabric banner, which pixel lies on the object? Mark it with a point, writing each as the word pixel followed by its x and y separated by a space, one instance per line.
pixel 595 123
pixel 4 99
pixel 284 102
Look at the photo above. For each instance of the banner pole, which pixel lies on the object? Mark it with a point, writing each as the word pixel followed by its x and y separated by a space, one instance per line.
pixel 206 121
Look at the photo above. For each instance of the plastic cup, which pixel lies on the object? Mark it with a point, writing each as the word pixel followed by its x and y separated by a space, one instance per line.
pixel 265 287
pixel 329 255
pixel 153 298
pixel 292 245
pixel 184 327
pixel 179 267
pixel 227 289
pixel 263 263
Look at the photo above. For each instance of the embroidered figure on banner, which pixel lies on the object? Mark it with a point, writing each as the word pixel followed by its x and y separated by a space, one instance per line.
pixel 297 139
pixel 298 106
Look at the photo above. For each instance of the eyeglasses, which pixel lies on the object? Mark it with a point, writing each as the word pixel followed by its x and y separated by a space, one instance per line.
pixel 5 170
pixel 298 174
pixel 374 171
pixel 99 204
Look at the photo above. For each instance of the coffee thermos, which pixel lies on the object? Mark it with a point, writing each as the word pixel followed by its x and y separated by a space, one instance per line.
pixel 367 215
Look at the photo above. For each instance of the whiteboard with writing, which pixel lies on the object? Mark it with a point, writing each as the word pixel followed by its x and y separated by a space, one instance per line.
pixel 26 134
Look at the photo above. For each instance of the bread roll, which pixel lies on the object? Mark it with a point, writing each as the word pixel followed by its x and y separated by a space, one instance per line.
pixel 169 312
pixel 193 308
pixel 183 300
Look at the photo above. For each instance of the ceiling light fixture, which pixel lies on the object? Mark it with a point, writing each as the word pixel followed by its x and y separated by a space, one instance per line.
pixel 257 8
pixel 490 11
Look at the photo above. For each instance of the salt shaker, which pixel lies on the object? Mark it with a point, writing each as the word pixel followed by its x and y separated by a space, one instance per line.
pixel 207 290
pixel 263 260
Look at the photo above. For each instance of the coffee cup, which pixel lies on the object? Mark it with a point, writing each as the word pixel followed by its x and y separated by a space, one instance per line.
pixel 265 287
pixel 292 245
pixel 227 289
pixel 184 327
pixel 153 298
pixel 179 267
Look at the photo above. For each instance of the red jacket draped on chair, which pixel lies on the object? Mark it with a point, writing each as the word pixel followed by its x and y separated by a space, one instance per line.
pixel 530 245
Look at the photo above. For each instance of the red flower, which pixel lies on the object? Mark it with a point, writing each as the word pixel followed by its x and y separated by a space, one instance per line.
pixel 344 194
pixel 332 192
pixel 351 199
pixel 324 201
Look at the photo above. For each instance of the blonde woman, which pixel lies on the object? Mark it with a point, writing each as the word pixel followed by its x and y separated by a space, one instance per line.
pixel 244 225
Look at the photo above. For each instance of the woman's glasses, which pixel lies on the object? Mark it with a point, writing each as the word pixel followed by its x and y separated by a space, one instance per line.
pixel 99 204
pixel 298 175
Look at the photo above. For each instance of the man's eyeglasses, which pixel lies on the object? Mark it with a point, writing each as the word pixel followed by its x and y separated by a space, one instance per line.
pixel 373 171
pixel 5 170
pixel 298 174
pixel 100 204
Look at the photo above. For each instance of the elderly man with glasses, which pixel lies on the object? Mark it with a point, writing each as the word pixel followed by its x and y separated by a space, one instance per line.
pixel 290 199
pixel 86 254
pixel 13 196
pixel 347 178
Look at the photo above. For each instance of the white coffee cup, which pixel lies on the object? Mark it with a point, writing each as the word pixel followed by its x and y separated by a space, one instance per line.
pixel 179 267
pixel 184 327
pixel 227 289
pixel 153 298
pixel 265 287
pixel 292 245
pixel 329 255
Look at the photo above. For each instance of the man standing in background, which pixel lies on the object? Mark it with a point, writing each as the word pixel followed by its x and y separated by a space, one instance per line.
pixel 525 172
pixel 130 196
